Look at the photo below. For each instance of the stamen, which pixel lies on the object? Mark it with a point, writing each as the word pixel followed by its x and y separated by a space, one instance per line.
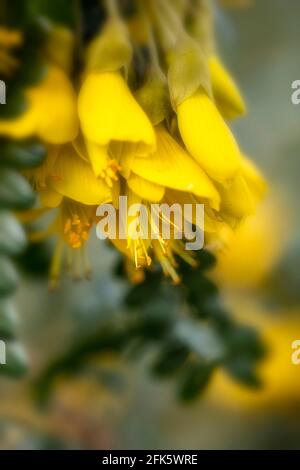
pixel 166 261
pixel 110 172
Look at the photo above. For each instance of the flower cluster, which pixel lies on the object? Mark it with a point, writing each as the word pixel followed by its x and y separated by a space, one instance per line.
pixel 143 116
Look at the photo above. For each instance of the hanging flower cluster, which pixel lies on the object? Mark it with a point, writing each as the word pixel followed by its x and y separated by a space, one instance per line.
pixel 143 116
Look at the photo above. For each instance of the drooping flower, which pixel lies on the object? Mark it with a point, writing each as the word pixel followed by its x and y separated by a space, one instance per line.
pixel 241 197
pixel 68 186
pixel 171 167
pixel 208 138
pixel 109 114
pixel 50 113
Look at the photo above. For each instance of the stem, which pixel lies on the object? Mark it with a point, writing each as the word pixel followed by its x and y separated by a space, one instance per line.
pixel 152 46
pixel 112 8
pixel 168 37
pixel 173 17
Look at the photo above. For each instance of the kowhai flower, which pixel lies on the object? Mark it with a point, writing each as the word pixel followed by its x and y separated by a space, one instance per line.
pixel 142 116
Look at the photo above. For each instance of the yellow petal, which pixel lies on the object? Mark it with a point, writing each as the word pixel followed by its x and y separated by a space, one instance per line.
pixel 208 138
pixel 74 178
pixel 172 167
pixel 98 156
pixel 51 111
pixel 237 200
pixel 211 222
pixel 227 96
pixel 108 112
pixel 145 189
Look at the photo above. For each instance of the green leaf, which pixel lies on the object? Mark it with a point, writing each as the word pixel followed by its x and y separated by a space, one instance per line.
pixel 16 102
pixel 12 235
pixel 36 259
pixel 195 379
pixel 8 319
pixel 16 360
pixel 22 155
pixel 15 191
pixel 243 341
pixel 8 276
pixel 57 11
pixel 171 358
pixel 243 370
pixel 201 338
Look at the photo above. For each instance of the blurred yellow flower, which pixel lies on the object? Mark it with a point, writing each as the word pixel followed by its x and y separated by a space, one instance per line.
pixel 251 251
pixel 171 167
pixel 207 137
pixel 240 198
pixel 74 178
pixel 281 384
pixel 51 111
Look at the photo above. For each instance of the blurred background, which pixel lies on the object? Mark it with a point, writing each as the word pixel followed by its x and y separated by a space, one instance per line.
pixel 118 404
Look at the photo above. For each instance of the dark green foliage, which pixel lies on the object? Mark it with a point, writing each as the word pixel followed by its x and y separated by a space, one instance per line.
pixel 15 191
pixel 185 327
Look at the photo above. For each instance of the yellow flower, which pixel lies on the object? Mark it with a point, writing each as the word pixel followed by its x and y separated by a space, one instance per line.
pixel 252 250
pixel 74 178
pixel 208 138
pixel 226 94
pixel 169 175
pixel 109 114
pixel 241 197
pixel 75 221
pixel 72 225
pixel 51 111
pixel 280 377
pixel 171 167
pixel 65 174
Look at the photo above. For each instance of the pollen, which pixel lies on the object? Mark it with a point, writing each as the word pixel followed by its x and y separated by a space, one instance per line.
pixel 76 231
pixel 110 172
pixel 76 223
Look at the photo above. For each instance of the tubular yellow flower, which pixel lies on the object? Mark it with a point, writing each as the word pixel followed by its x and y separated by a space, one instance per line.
pixel 252 250
pixel 241 197
pixel 237 200
pixel 170 166
pixel 65 174
pixel 226 94
pixel 145 189
pixel 73 224
pixel 72 177
pixel 208 138
pixel 109 113
pixel 51 111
